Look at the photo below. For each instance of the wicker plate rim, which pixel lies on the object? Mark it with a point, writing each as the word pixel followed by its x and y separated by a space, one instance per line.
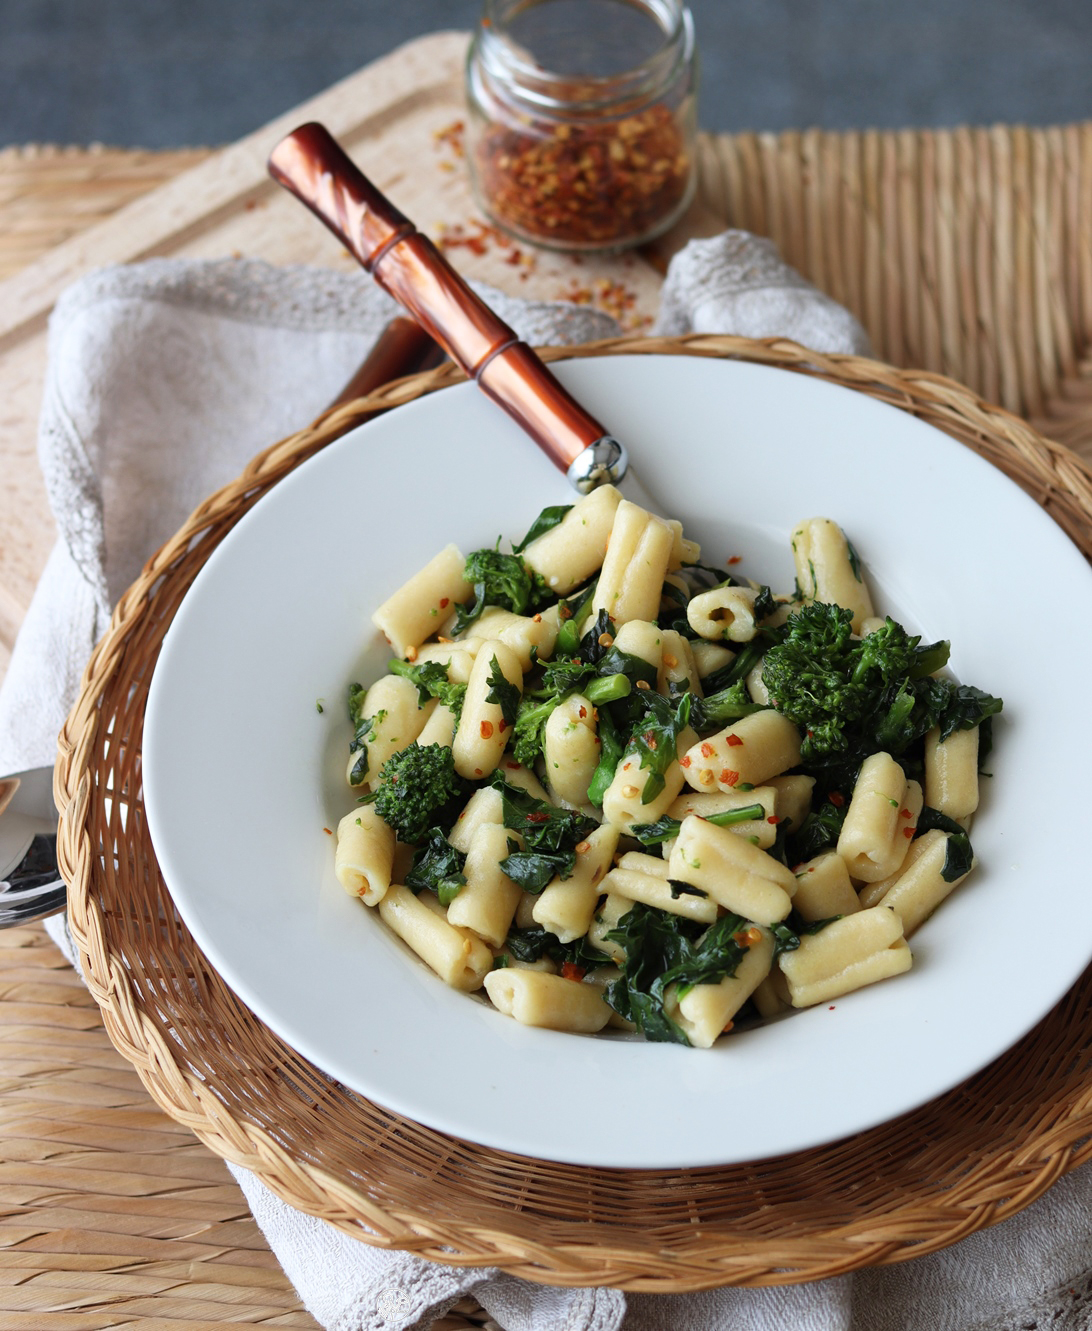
pixel 1055 478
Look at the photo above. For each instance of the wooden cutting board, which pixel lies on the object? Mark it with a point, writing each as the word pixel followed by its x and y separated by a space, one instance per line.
pixel 402 120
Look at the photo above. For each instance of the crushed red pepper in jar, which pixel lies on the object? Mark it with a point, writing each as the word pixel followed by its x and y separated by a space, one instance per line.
pixel 581 119
pixel 586 185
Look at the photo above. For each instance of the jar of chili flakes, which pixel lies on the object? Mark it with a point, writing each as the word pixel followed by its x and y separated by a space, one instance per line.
pixel 582 119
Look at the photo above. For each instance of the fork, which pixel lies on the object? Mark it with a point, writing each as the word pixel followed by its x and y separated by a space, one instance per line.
pixel 30 887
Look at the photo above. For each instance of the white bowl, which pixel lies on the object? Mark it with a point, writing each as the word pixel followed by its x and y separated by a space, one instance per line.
pixel 243 775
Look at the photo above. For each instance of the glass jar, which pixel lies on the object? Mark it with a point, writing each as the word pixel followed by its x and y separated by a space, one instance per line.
pixel 582 119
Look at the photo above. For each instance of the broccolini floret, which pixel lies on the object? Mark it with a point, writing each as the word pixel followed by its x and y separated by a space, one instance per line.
pixel 503 580
pixel 418 789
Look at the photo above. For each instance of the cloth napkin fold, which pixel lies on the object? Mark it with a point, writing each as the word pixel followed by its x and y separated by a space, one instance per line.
pixel 164 379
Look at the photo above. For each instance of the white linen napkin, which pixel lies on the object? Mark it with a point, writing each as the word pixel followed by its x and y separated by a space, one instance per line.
pixel 164 379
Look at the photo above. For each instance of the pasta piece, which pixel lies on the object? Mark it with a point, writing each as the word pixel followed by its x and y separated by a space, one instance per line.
pixel 611 909
pixel 678 668
pixel 756 686
pixel 823 889
pixel 601 977
pixel 846 955
pixel 482 733
pixel 638 862
pixel 918 887
pixel 951 772
pixel 871 624
pixel 457 656
pixel 710 656
pixel 537 999
pixel 566 905
pixel 705 1011
pixel 723 614
pixel 632 577
pixel 759 831
pixel 623 799
pixel 640 637
pixel 394 705
pixel 771 996
pixel 740 877
pixel 457 959
pixel 880 821
pixel 417 608
pixel 439 728
pixel 683 552
pixel 570 748
pixel 484 806
pixel 531 637
pixel 656 891
pixel 502 957
pixel 748 752
pixel 525 911
pixel 364 855
pixel 570 553
pixel 487 903
pixel 827 570
pixel 523 779
pixel 793 797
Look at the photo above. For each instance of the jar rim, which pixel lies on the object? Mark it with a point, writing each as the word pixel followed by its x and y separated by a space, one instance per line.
pixel 526 80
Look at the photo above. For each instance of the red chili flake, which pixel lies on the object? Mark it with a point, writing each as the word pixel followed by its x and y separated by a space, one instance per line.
pixel 445 603
pixel 905 813
pixel 571 971
pixel 706 749
pixel 503 725
pixel 564 612
pixel 582 713
pixel 836 799
pixel 486 729
pixel 908 832
pixel 327 831
pixel 831 1008
pixel 538 817
pixel 734 741
pixel 685 760
pixel 650 739
pixel 512 767
pixel 728 777
pixel 773 818
pixel 734 559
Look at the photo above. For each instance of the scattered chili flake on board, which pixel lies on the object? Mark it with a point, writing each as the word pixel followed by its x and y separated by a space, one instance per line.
pixel 451 136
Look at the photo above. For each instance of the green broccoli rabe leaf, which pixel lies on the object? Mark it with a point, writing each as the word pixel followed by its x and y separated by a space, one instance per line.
pixel 958 857
pixel 745 661
pixel 430 678
pixel 546 521
pixel 503 580
pixel 503 693
pixel 535 942
pixel 716 710
pixel 437 865
pixel 664 949
pixel 543 826
pixel 534 870
pixel 611 745
pixel 655 739
pixel 930 819
pixel 665 828
pixel 363 728
pixel 418 789
pixel 819 831
pixel 591 648
pixel 681 889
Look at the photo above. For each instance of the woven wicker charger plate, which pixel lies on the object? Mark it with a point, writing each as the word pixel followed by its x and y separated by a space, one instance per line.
pixel 968 1159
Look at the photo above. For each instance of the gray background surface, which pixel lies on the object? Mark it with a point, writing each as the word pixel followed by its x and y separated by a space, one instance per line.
pixel 173 73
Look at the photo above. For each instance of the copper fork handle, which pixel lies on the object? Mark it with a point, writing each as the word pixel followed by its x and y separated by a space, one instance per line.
pixel 408 266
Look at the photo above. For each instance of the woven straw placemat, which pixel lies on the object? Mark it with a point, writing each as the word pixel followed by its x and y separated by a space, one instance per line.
pixel 967 1160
